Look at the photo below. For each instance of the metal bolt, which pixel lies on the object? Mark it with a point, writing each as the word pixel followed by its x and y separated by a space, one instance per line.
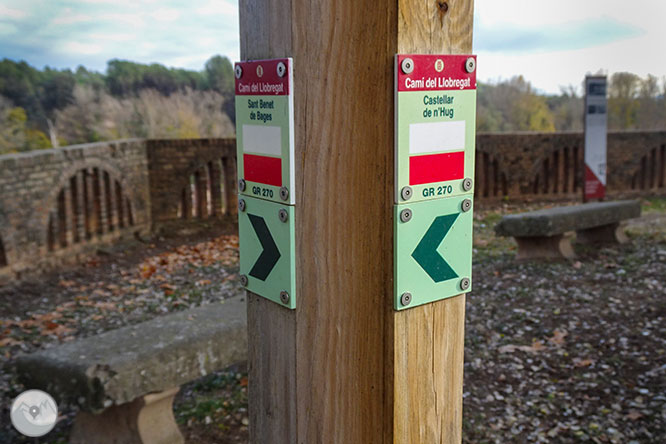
pixel 406 215
pixel 406 193
pixel 283 215
pixel 281 69
pixel 405 298
pixel 284 193
pixel 243 280
pixel 241 204
pixel 239 71
pixel 467 184
pixel 407 65
pixel 464 283
pixel 466 205
pixel 284 297
pixel 241 184
pixel 470 65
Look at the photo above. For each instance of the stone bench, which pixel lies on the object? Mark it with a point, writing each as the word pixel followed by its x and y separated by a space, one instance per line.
pixel 541 234
pixel 124 381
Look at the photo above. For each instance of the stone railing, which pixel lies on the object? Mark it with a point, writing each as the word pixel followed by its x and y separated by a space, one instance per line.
pixel 56 205
pixel 550 165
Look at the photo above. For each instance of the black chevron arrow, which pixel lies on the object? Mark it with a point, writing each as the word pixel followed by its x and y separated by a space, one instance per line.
pixel 426 255
pixel 269 257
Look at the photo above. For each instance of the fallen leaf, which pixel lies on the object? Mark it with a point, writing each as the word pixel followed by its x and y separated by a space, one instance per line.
pixel 634 415
pixel 558 337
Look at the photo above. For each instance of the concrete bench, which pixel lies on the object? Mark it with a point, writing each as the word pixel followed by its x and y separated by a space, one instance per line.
pixel 124 381
pixel 541 234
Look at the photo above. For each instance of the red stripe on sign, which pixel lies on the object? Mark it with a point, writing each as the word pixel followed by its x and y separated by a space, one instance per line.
pixel 263 169
pixel 436 167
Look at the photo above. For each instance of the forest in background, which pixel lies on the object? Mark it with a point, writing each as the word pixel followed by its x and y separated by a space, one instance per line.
pixel 50 108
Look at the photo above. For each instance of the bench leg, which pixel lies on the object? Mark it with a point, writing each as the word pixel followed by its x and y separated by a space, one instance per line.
pixel 544 247
pixel 148 419
pixel 605 234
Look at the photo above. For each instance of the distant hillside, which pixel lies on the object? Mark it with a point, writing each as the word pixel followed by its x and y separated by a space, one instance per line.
pixel 44 108
pixel 40 109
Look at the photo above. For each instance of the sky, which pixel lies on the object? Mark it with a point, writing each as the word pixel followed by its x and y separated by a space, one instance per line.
pixel 552 44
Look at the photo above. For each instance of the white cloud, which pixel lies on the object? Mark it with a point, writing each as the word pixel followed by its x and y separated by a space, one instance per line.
pixel 66 19
pixel 218 7
pixel 70 48
pixel 11 13
pixel 165 15
pixel 124 19
pixel 119 37
pixel 549 71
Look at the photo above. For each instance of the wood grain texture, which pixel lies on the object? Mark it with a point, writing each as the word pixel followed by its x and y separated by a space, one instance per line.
pixel 342 340
pixel 265 32
pixel 429 340
pixel 272 371
pixel 435 26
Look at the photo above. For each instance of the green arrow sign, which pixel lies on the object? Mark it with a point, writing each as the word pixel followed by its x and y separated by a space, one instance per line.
pixel 267 249
pixel 432 251
pixel 269 257
pixel 426 253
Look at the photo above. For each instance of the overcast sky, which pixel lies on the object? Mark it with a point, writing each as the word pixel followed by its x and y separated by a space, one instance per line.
pixel 552 44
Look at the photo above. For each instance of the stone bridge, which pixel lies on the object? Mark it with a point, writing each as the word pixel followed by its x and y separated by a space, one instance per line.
pixel 58 205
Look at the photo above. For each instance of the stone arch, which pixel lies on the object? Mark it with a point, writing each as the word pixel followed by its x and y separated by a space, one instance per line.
pixel 490 176
pixel 651 170
pixel 559 172
pixel 202 193
pixel 90 201
pixel 63 180
pixel 3 254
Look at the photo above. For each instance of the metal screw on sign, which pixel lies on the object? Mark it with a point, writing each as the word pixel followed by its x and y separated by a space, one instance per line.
pixel 241 184
pixel 284 297
pixel 241 204
pixel 406 215
pixel 466 205
pixel 283 215
pixel 406 193
pixel 284 193
pixel 239 71
pixel 281 69
pixel 464 283
pixel 407 65
pixel 406 298
pixel 243 280
pixel 467 184
pixel 470 65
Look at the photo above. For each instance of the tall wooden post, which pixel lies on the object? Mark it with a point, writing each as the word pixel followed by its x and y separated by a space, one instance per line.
pixel 344 367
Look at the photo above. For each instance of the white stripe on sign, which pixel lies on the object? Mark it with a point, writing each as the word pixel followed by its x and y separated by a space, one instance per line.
pixel 258 139
pixel 436 136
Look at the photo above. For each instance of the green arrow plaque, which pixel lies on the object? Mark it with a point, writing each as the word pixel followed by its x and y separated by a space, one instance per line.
pixel 266 237
pixel 432 250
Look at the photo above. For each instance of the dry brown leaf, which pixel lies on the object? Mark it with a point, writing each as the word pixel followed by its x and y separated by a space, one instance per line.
pixel 558 337
pixel 583 362
pixel 634 415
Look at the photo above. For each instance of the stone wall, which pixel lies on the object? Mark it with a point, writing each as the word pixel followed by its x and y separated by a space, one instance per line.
pixel 550 165
pixel 59 205
pixel 192 178
pixel 53 203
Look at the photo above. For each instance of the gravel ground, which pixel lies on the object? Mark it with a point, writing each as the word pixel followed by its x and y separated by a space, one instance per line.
pixel 558 352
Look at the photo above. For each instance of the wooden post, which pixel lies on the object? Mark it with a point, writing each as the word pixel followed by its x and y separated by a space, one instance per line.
pixel 344 367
